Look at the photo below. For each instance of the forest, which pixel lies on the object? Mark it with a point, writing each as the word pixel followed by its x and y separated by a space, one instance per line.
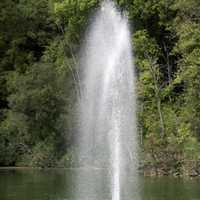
pixel 40 44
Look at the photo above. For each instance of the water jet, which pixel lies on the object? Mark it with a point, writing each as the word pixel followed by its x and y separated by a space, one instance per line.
pixel 107 137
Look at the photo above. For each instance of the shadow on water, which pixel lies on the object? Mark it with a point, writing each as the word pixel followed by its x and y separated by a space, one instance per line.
pixel 169 188
pixel 35 184
pixel 57 184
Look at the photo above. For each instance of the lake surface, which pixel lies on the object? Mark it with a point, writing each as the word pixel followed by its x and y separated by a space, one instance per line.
pixel 58 184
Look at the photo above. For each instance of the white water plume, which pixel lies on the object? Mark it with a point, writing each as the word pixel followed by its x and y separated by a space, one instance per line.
pixel 107 140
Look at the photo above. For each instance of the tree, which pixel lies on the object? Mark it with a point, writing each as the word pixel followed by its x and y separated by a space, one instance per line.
pixel 147 53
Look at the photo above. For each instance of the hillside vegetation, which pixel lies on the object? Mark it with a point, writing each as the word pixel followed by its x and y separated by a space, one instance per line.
pixel 40 42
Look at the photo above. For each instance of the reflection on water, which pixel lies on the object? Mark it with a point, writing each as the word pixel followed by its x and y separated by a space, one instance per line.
pixel 57 184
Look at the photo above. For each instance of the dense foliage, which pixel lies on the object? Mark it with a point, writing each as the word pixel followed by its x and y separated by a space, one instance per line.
pixel 39 44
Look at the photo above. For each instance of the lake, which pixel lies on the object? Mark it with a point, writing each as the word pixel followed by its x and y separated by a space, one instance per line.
pixel 58 184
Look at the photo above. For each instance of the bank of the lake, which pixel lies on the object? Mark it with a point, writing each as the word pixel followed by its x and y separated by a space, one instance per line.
pixel 169 164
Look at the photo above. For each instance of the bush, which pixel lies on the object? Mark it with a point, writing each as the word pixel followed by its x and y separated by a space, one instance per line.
pixel 42 156
pixel 67 160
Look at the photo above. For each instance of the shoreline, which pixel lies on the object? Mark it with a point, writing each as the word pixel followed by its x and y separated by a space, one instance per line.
pixel 144 173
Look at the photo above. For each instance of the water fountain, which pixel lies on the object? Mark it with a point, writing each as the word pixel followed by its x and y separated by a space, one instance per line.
pixel 107 142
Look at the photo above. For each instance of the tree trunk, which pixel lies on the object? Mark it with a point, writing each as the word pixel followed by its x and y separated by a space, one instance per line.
pixel 157 91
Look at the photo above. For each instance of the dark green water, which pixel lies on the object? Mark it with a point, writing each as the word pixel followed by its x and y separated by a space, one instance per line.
pixel 58 184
